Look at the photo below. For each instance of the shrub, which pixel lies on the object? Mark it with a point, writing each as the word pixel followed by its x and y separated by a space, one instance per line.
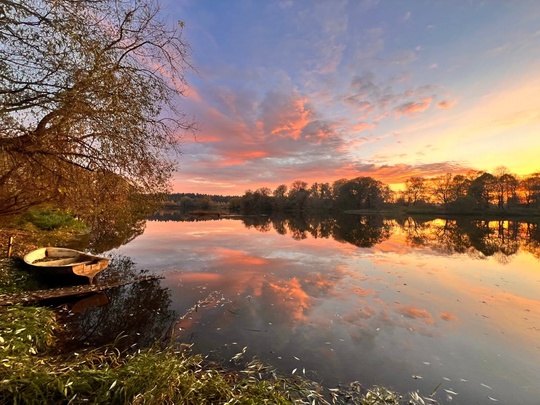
pixel 52 219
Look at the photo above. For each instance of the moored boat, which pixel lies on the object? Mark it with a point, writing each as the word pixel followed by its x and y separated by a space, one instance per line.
pixel 64 262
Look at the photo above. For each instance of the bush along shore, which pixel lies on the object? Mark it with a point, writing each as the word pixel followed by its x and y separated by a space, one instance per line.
pixel 35 368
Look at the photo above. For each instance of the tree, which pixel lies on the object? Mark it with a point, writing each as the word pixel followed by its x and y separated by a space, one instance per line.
pixel 298 194
pixel 505 187
pixel 482 190
pixel 362 192
pixel 441 189
pixel 415 190
pixel 336 185
pixel 447 189
pixel 530 187
pixel 258 201
pixel 460 186
pixel 320 195
pixel 280 191
pixel 87 88
pixel 280 197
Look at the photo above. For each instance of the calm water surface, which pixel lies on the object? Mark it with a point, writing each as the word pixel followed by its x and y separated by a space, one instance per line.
pixel 406 305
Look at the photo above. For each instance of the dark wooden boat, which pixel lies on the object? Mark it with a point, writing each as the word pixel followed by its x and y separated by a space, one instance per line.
pixel 63 262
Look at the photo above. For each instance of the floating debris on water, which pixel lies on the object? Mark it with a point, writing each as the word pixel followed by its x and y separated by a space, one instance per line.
pixel 486 386
pixel 493 399
pixel 451 392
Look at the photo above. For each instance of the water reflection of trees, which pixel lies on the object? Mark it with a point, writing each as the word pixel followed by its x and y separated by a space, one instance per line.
pixel 532 243
pixel 138 313
pixel 111 229
pixel 478 238
pixel 363 231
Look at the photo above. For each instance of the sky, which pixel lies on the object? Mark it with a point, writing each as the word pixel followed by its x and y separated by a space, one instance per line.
pixel 318 91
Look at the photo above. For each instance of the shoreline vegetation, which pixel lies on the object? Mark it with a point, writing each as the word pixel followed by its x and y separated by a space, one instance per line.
pixel 498 195
pixel 35 371
pixel 36 368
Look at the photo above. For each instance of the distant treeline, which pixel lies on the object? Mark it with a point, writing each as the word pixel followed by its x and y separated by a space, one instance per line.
pixel 475 192
pixel 196 201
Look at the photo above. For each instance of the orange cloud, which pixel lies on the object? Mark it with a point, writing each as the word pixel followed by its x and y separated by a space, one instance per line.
pixel 447 316
pixel 297 118
pixel 198 277
pixel 238 158
pixel 446 104
pixel 231 257
pixel 293 297
pixel 362 126
pixel 411 107
pixel 411 312
pixel 284 115
pixel 362 292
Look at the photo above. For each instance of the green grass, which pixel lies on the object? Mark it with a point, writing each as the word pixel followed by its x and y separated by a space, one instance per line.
pixel 30 373
pixel 25 331
pixel 14 278
pixel 49 219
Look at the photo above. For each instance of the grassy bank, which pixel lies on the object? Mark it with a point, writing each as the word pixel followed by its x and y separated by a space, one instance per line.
pixel 31 372
pixel 39 227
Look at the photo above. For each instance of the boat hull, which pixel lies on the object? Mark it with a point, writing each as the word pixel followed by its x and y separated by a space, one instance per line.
pixel 65 263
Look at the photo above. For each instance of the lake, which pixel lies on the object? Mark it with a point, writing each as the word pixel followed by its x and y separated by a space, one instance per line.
pixel 451 305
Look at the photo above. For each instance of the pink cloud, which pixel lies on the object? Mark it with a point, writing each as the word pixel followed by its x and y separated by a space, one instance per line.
pixel 237 158
pixel 446 104
pixel 448 316
pixel 284 115
pixel 362 126
pixel 411 312
pixel 411 107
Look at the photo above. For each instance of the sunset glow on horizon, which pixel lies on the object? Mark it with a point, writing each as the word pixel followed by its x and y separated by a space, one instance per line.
pixel 322 90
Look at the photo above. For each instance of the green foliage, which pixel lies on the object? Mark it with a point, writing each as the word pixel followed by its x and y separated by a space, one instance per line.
pixel 47 219
pixel 152 376
pixel 379 395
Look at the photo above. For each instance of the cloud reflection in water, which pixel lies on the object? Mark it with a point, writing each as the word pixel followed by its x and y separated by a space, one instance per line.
pixel 351 309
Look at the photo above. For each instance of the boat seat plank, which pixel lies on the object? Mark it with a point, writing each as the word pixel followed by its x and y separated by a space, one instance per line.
pixel 61 262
